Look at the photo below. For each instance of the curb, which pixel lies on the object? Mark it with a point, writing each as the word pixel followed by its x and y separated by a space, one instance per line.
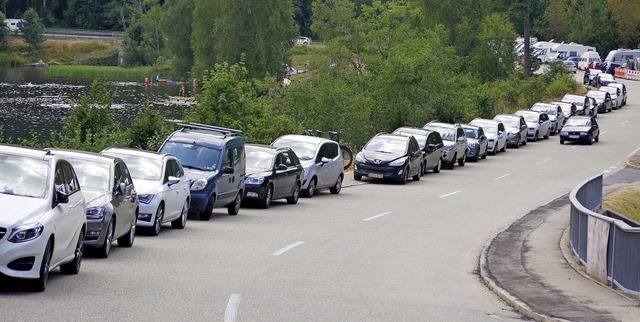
pixel 512 300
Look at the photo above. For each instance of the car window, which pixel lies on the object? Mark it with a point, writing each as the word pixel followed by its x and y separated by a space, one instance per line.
pixel 59 181
pixel 413 145
pixel 125 173
pixel 24 176
pixel 330 150
pixel 175 168
pixel 460 133
pixel 480 132
pixel 226 158
pixel 92 175
pixel 71 182
pixel 142 168
pixel 236 154
pixel 288 160
pixel 193 156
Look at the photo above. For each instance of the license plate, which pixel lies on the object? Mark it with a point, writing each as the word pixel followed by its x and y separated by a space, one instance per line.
pixel 252 194
pixel 574 136
pixel 375 175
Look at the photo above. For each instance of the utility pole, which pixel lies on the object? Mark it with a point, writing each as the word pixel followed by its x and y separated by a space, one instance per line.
pixel 527 44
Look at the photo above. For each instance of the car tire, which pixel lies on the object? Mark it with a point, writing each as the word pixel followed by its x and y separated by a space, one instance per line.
pixel 504 147
pixel 128 238
pixel 597 139
pixel 451 164
pixel 405 176
pixel 234 207
pixel 546 136
pixel 73 267
pixel 266 199
pixel 208 211
pixel 181 221
pixel 103 251
pixel 495 150
pixel 295 196
pixel 357 177
pixel 418 175
pixel 157 223
pixel 337 187
pixel 535 137
pixel 590 140
pixel 462 161
pixel 484 156
pixel 40 284
pixel 438 166
pixel 311 189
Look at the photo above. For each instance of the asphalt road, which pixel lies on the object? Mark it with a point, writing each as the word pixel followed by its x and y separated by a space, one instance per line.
pixel 376 251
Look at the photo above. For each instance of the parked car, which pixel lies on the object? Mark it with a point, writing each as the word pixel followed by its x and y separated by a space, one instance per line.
pixel 570 66
pixel 539 125
pixel 455 143
pixel 495 132
pixel 272 173
pixel 568 110
pixel 390 156
pixel 516 128
pixel 430 143
pixel 41 204
pixel 581 129
pixel 616 95
pixel 590 75
pixel 213 159
pixel 162 186
pixel 478 142
pixel 574 60
pixel 301 40
pixel 606 79
pixel 321 159
pixel 623 91
pixel 582 103
pixel 112 201
pixel 603 100
pixel 592 106
pixel 554 111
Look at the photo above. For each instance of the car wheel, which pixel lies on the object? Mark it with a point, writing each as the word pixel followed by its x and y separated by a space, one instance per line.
pixel 438 166
pixel 535 137
pixel 597 139
pixel 103 251
pixel 40 284
pixel 462 161
pixel 546 136
pixel 590 140
pixel 129 237
pixel 418 175
pixel 337 187
pixel 357 177
pixel 484 156
pixel 208 211
pixel 266 200
pixel 311 189
pixel 295 196
pixel 504 148
pixel 73 267
pixel 157 223
pixel 561 142
pixel 452 162
pixel 405 176
pixel 495 150
pixel 234 207
pixel 181 222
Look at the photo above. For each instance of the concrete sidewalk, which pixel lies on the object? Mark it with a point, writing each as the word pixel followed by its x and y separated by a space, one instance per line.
pixel 530 265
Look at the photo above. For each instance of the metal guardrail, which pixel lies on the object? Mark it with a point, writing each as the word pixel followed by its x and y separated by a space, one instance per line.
pixel 608 247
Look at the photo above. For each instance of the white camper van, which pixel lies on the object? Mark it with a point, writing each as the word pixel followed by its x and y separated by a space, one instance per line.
pixel 542 50
pixel 587 58
pixel 13 24
pixel 564 51
pixel 621 57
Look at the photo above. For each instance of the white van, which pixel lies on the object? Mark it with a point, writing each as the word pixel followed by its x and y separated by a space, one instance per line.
pixel 13 24
pixel 587 58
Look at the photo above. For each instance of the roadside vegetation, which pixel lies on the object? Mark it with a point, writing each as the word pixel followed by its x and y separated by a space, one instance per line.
pixel 625 201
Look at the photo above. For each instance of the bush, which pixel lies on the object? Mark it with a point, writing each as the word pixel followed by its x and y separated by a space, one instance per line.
pixel 560 86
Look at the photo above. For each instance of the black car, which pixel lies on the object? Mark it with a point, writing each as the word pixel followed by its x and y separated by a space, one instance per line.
pixel 272 173
pixel 390 156
pixel 580 129
pixel 430 142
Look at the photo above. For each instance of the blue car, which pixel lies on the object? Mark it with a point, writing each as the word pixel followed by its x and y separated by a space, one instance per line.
pixel 580 129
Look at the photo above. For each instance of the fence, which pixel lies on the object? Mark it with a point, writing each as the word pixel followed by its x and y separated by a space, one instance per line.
pixel 627 74
pixel 606 246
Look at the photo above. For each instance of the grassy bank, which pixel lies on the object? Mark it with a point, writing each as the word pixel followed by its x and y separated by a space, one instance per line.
pixel 625 201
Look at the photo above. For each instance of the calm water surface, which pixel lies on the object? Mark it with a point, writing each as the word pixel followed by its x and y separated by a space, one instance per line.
pixel 32 102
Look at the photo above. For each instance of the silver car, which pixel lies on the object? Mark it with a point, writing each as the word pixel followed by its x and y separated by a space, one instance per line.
pixel 495 132
pixel 616 98
pixel 623 91
pixel 554 111
pixel 321 159
pixel 538 123
pixel 516 128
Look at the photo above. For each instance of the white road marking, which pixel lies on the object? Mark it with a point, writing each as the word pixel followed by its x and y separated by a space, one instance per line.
pixel 450 194
pixel 502 177
pixel 543 161
pixel 377 216
pixel 605 132
pixel 281 251
pixel 575 146
pixel 625 122
pixel 633 153
pixel 231 312
pixel 613 167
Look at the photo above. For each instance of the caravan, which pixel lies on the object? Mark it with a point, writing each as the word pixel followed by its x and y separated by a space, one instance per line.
pixel 13 24
pixel 542 50
pixel 587 59
pixel 622 57
pixel 564 51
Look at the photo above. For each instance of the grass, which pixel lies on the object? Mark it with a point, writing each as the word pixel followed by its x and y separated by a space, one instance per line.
pixel 625 201
pixel 301 54
pixel 109 73
pixel 55 51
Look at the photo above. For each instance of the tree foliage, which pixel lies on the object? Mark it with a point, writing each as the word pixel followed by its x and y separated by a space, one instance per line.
pixel 32 30
pixel 4 32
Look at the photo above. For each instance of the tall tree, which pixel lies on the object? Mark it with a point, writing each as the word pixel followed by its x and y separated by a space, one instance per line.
pixel 556 20
pixel 177 36
pixel 333 18
pixel 626 14
pixel 493 58
pixel 4 32
pixel 32 30
pixel 205 14
pixel 592 24
pixel 302 12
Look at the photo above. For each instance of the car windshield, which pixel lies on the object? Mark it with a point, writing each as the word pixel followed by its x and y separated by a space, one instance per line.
pixel 575 121
pixel 471 133
pixel 447 134
pixel 611 90
pixel 141 168
pixel 304 150
pixel 259 159
pixel 395 146
pixel 511 123
pixel 422 138
pixel 549 110
pixel 91 175
pixel 531 118
pixel 23 176
pixel 489 128
pixel 577 100
pixel 606 76
pixel 597 94
pixel 193 156
pixel 566 108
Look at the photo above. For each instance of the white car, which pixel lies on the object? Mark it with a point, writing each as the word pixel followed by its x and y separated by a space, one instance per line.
pixel 539 125
pixel 555 113
pixel 623 91
pixel 616 98
pixel 42 222
pixel 163 189
pixel 302 40
pixel 495 132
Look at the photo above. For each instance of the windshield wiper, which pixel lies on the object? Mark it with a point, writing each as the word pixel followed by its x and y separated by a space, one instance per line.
pixel 193 167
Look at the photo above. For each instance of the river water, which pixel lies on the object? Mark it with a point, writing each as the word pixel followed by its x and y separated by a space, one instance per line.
pixel 33 102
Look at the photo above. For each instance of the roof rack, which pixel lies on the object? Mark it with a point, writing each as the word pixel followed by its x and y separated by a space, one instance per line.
pixel 197 126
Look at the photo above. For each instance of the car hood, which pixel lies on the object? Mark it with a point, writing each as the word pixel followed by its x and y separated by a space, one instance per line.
pixel 195 174
pixel 383 157
pixel 256 173
pixel 533 124
pixel 599 101
pixel 492 136
pixel 472 141
pixel 146 186
pixel 553 118
pixel 17 210
pixel 513 131
pixel 575 129
pixel 95 198
pixel 448 143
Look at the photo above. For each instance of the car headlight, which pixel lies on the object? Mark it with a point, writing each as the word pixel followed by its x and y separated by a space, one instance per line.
pixel 146 198
pixel 511 135
pixel 360 158
pixel 564 133
pixel 473 144
pixel 448 147
pixel 398 162
pixel 583 133
pixel 255 181
pixel 26 233
pixel 199 184
pixel 95 213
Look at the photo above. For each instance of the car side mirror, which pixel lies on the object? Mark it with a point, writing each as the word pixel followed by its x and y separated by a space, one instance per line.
pixel 541 121
pixel 61 197
pixel 523 126
pixel 461 139
pixel 431 147
pixel 324 160
pixel 120 189
pixel 281 167
pixel 228 170
pixel 173 180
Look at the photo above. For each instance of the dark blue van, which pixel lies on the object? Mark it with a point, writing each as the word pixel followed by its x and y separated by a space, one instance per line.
pixel 214 159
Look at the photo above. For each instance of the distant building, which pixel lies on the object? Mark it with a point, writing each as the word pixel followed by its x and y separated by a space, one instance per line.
pixel 12 24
